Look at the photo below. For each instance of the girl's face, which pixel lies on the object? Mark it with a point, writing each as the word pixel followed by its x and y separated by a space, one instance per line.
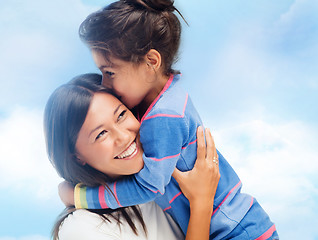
pixel 133 83
pixel 108 140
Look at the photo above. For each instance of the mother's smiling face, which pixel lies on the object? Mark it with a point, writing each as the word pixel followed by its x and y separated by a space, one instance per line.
pixel 108 140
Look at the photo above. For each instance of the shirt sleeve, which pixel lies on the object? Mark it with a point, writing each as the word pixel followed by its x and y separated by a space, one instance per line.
pixel 162 139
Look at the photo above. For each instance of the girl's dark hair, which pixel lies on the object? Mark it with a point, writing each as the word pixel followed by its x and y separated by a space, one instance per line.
pixel 64 115
pixel 128 29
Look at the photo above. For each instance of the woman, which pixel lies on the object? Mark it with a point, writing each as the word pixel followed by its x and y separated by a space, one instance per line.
pixel 92 138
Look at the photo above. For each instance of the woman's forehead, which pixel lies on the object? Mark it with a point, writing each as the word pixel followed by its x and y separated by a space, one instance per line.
pixel 105 98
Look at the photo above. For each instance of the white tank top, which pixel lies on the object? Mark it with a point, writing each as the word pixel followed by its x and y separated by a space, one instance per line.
pixel 84 225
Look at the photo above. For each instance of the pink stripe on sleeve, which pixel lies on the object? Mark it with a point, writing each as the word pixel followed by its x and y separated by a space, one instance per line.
pixel 227 196
pixel 101 197
pixel 170 115
pixel 115 193
pixel 157 98
pixel 252 201
pixel 185 104
pixel 166 208
pixel 164 115
pixel 177 195
pixel 190 143
pixel 267 234
pixel 164 158
pixel 158 191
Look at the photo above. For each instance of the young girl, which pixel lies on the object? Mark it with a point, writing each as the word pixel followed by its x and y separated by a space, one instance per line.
pixel 134 44
pixel 72 118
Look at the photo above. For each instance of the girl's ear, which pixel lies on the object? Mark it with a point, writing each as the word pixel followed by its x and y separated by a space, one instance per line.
pixel 80 161
pixel 153 59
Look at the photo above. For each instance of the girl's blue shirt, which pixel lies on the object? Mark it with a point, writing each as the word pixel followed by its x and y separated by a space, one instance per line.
pixel 168 136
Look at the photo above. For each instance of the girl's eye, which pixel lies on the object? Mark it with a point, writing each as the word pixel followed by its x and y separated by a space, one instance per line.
pixel 109 73
pixel 122 114
pixel 102 133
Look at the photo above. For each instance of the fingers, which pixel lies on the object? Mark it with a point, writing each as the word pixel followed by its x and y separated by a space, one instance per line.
pixel 201 148
pixel 211 153
pixel 210 146
pixel 206 150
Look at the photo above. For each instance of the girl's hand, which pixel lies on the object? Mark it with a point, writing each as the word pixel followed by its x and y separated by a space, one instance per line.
pixel 199 185
pixel 66 193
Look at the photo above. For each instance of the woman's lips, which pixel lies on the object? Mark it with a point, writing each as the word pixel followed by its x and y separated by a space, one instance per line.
pixel 130 152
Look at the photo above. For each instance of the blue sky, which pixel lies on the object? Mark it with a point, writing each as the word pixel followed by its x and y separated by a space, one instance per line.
pixel 251 68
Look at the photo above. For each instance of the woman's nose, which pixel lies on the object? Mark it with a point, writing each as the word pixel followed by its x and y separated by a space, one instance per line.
pixel 121 136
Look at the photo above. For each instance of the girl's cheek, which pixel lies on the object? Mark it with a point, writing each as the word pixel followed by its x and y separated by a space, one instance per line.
pixel 118 87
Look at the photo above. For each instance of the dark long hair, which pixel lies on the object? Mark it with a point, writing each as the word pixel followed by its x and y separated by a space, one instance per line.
pixel 64 115
pixel 128 29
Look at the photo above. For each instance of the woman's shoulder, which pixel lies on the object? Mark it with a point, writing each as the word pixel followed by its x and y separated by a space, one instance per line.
pixel 160 226
pixel 83 225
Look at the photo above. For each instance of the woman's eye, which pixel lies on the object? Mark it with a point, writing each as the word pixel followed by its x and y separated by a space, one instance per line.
pixel 102 133
pixel 122 114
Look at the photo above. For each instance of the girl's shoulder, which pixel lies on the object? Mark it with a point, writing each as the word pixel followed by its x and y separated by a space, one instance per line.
pixel 170 102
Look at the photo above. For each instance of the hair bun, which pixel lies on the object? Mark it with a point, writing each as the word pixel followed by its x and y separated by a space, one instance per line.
pixel 155 5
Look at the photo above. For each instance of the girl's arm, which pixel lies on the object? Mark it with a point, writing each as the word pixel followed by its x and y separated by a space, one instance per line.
pixel 162 140
pixel 199 186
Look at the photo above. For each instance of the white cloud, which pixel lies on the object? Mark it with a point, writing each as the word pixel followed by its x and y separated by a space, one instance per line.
pixel 283 48
pixel 23 161
pixel 38 31
pixel 277 164
pixel 39 45
pixel 45 13
pixel 241 64
pixel 296 31
pixel 300 9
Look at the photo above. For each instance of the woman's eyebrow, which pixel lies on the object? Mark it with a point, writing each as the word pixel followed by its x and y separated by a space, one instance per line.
pixel 117 108
pixel 99 126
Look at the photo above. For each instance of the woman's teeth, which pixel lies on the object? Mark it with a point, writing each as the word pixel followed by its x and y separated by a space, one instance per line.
pixel 130 150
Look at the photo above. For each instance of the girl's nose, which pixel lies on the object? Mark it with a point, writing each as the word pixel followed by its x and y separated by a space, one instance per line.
pixel 106 83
